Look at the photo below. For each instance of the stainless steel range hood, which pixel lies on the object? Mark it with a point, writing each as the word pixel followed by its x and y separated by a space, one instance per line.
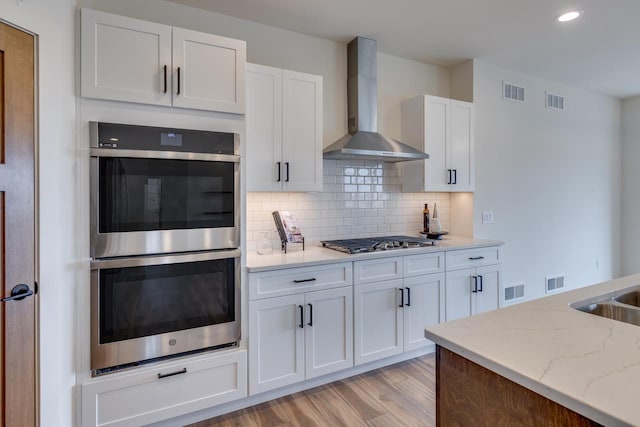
pixel 363 141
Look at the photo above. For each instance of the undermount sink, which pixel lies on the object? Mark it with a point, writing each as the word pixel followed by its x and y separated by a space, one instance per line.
pixel 622 305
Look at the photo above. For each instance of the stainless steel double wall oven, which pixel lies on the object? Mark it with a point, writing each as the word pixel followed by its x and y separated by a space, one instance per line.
pixel 165 215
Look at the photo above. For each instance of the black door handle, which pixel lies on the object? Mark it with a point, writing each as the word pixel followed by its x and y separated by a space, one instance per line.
pixel 408 297
pixel 480 288
pixel 165 79
pixel 301 325
pixel 401 297
pixel 279 171
pixel 455 176
pixel 178 92
pixel 310 315
pixel 286 165
pixel 449 171
pixel 18 293
pixel 475 284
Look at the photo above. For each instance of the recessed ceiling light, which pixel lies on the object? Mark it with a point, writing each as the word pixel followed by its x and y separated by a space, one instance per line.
pixel 569 16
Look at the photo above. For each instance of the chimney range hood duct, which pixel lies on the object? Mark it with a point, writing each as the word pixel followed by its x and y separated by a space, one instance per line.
pixel 363 141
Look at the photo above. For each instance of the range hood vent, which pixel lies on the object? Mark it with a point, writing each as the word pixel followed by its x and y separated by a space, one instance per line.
pixel 363 141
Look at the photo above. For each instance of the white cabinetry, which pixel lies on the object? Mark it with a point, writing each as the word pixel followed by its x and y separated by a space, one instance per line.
pixel 126 59
pixel 284 130
pixel 443 128
pixel 394 302
pixel 167 390
pixel 472 282
pixel 301 335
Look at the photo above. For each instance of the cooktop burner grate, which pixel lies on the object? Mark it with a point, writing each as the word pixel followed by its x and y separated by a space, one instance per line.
pixel 376 244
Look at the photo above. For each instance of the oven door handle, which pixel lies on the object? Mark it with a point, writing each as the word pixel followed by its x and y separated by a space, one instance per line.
pixel 163 259
pixel 168 155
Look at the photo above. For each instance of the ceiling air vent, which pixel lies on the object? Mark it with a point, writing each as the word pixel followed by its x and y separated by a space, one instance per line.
pixel 554 283
pixel 512 92
pixel 555 102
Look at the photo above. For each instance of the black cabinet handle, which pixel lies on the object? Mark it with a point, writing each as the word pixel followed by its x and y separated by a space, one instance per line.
pixel 313 279
pixel 19 292
pixel 286 165
pixel 301 325
pixel 408 297
pixel 475 284
pixel 480 288
pixel 475 258
pixel 310 315
pixel 171 374
pixel 165 79
pixel 401 297
pixel 455 176
pixel 178 92
pixel 449 171
pixel 279 171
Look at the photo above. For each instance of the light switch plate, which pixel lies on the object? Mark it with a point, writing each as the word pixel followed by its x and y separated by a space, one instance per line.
pixel 487 217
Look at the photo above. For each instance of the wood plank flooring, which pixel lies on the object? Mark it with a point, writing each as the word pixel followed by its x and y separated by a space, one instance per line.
pixel 396 395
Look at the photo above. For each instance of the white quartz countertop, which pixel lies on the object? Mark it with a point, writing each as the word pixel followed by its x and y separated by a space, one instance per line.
pixel 585 362
pixel 314 254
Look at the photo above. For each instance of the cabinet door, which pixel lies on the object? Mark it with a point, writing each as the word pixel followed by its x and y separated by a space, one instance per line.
pixel 462 142
pixel 437 141
pixel 328 331
pixel 424 295
pixel 458 293
pixel 124 59
pixel 276 344
pixel 488 295
pixel 302 131
pixel 209 72
pixel 264 128
pixel 378 324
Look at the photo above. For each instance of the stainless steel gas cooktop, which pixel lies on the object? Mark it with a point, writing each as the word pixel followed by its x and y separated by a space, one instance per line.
pixel 376 244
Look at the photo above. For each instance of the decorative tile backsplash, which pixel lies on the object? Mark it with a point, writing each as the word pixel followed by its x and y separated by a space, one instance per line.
pixel 359 199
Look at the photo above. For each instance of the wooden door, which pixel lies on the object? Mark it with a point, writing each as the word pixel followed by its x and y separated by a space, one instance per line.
pixel 17 228
pixel 328 331
pixel 423 298
pixel 209 72
pixel 378 323
pixel 302 131
pixel 276 345
pixel 264 128
pixel 125 59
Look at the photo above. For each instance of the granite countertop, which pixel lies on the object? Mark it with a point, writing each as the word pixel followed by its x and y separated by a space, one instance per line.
pixel 314 254
pixel 585 362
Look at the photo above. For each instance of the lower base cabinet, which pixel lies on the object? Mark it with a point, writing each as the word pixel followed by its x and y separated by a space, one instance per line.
pixel 390 316
pixel 299 337
pixel 152 395
pixel 472 291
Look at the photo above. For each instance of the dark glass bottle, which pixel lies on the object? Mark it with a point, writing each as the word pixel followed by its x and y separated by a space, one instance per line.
pixel 425 218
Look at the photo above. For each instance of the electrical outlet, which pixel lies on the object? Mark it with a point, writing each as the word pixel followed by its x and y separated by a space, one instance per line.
pixel 487 217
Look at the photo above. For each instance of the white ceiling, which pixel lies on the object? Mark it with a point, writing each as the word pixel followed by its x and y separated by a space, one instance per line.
pixel 599 51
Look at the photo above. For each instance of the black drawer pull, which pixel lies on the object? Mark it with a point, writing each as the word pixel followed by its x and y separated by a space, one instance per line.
pixel 313 279
pixel 171 374
pixel 475 258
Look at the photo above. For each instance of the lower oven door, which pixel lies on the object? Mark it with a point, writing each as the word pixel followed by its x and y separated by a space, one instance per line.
pixel 154 306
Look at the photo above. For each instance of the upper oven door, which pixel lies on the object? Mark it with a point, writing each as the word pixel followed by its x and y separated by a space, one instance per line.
pixel 151 202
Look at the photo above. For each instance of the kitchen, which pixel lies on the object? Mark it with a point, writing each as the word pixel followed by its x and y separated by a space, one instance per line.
pixel 565 183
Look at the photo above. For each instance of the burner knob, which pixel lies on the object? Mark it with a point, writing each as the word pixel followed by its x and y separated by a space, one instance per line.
pixel 396 244
pixel 405 245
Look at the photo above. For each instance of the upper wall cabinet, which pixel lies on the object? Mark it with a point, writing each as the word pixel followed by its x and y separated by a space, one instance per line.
pixel 443 128
pixel 126 59
pixel 284 130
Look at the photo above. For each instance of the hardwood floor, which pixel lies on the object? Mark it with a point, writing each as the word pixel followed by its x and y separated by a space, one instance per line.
pixel 396 395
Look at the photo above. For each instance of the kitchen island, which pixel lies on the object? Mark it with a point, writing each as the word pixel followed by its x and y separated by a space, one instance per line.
pixel 541 360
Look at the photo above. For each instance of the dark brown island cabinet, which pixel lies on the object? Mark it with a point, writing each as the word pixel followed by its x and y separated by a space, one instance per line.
pixel 468 394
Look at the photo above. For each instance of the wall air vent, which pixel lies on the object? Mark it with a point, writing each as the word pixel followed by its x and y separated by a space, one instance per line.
pixel 512 92
pixel 555 102
pixel 514 292
pixel 554 283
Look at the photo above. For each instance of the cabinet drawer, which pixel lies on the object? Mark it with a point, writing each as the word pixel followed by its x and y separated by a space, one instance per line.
pixel 469 258
pixel 142 398
pixel 296 280
pixel 376 270
pixel 417 265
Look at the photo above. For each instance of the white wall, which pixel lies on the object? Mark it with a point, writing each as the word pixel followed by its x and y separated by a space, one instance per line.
pixel 630 187
pixel 551 178
pixel 54 23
